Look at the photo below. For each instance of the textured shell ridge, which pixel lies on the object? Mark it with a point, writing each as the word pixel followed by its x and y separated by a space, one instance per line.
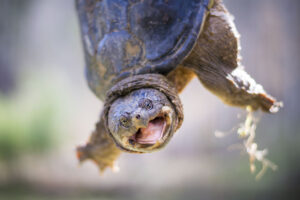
pixel 123 38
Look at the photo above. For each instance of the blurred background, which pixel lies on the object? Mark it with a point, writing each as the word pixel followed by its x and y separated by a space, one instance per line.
pixel 46 109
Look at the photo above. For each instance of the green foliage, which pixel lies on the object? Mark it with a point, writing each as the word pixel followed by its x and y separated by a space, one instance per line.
pixel 28 123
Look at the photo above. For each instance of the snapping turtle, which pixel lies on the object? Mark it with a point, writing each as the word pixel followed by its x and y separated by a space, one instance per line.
pixel 141 53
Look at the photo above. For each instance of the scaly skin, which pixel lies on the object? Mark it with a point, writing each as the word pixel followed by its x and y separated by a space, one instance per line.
pixel 214 60
pixel 180 77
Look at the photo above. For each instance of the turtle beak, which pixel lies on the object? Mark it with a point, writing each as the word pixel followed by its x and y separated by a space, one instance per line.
pixel 155 129
pixel 152 133
pixel 140 121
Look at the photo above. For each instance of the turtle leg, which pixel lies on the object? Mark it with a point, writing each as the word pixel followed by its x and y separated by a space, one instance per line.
pixel 216 61
pixel 100 148
pixel 180 77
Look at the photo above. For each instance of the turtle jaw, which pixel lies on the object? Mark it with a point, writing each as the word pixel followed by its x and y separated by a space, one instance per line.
pixel 152 133
pixel 153 136
pixel 156 131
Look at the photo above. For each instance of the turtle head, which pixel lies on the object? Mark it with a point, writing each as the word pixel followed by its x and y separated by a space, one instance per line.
pixel 142 121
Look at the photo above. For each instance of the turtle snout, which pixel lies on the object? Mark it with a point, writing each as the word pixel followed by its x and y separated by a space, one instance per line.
pixel 138 116
pixel 140 120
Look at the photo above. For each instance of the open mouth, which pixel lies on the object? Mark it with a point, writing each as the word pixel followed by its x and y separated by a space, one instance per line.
pixel 155 131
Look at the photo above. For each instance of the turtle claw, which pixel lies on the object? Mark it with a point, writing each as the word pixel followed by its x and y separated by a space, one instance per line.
pixel 81 154
pixel 103 156
pixel 269 104
pixel 275 108
pixel 101 149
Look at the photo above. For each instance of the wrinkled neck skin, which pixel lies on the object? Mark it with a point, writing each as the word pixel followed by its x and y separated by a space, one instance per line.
pixel 142 113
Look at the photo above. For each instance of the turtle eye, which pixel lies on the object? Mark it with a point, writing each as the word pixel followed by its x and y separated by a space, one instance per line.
pixel 146 104
pixel 125 121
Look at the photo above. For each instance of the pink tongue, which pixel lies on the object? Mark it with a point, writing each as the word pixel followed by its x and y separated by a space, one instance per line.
pixel 152 133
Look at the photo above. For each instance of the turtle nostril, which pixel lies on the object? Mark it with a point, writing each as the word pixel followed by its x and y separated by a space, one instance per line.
pixel 131 141
pixel 138 116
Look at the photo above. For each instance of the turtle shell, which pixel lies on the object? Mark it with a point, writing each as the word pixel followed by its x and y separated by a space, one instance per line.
pixel 123 38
